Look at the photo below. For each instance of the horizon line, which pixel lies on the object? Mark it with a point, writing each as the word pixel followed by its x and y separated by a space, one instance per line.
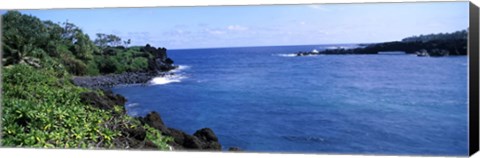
pixel 269 46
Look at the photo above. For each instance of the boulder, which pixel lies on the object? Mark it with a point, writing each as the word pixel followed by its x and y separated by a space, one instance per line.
pixel 234 149
pixel 106 102
pixel 154 120
pixel 160 62
pixel 203 139
pixel 206 134
pixel 192 142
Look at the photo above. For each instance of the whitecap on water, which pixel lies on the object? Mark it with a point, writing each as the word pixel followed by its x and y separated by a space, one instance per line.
pixel 166 79
pixel 176 76
pixel 132 105
pixel 180 68
pixel 287 55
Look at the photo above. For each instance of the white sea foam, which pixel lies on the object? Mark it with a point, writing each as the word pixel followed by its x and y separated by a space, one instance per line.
pixel 287 55
pixel 172 77
pixel 166 79
pixel 180 68
pixel 132 105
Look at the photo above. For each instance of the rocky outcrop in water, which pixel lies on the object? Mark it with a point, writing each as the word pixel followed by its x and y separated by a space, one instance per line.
pixel 158 65
pixel 203 139
pixel 160 62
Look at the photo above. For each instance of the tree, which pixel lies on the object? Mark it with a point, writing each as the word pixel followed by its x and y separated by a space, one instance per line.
pixel 114 40
pixel 126 43
pixel 104 40
pixel 70 32
pixel 22 34
pixel 83 46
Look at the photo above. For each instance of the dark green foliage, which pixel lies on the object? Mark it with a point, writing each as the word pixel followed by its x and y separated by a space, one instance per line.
pixel 458 35
pixel 74 66
pixel 92 69
pixel 40 105
pixel 22 34
pixel 29 40
pixel 83 47
pixel 104 40
pixel 107 65
pixel 435 45
pixel 138 64
pixel 41 110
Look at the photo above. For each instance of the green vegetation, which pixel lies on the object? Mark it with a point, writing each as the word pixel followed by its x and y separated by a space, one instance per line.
pixel 27 39
pixel 41 107
pixel 435 45
pixel 458 35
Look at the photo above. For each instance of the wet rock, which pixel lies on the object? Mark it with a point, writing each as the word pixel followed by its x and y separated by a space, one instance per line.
pixel 192 142
pixel 160 62
pixel 206 134
pixel 177 135
pixel 203 139
pixel 154 120
pixel 234 149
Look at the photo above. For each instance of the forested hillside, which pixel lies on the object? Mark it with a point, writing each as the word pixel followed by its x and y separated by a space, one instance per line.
pixel 65 47
pixel 41 107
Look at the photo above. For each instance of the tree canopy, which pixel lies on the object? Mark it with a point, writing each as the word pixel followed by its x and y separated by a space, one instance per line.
pixel 31 41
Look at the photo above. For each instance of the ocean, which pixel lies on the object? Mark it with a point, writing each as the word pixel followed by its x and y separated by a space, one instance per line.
pixel 264 99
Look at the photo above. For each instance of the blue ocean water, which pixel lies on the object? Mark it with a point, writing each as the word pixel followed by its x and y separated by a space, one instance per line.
pixel 262 99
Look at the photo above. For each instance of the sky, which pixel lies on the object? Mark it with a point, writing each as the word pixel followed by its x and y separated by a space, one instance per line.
pixel 267 25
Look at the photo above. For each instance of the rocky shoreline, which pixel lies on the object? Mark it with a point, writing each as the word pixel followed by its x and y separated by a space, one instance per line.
pixel 135 137
pixel 159 65
pixel 110 80
pixel 202 139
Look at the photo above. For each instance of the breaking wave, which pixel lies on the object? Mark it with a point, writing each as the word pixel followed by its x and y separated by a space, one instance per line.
pixel 173 77
pixel 287 55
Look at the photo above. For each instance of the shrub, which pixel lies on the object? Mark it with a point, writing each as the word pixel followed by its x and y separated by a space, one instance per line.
pixel 74 66
pixel 138 64
pixel 92 69
pixel 40 110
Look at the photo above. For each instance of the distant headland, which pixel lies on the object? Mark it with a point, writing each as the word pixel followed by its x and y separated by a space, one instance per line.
pixel 435 45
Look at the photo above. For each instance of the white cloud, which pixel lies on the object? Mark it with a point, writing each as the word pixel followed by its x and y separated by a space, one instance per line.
pixel 318 7
pixel 215 31
pixel 237 28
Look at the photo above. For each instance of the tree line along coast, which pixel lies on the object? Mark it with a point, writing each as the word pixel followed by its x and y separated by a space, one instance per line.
pixel 434 45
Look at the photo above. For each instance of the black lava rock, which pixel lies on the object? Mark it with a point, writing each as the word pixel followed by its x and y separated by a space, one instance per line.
pixel 203 139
